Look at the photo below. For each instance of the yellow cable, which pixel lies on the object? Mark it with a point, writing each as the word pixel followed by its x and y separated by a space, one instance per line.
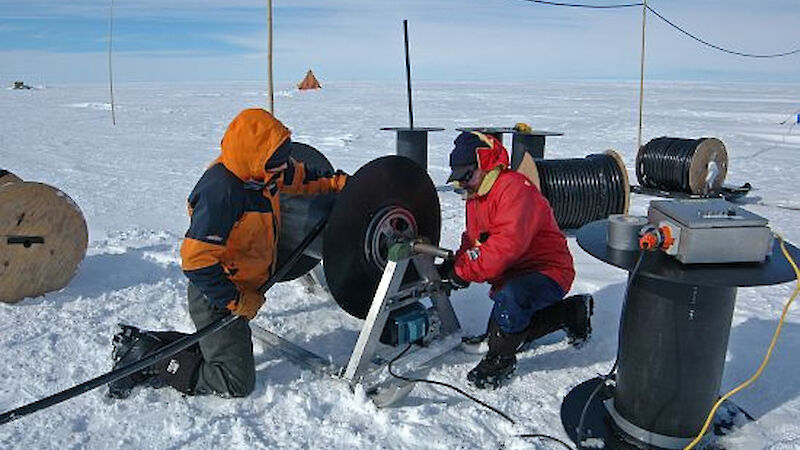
pixel 766 357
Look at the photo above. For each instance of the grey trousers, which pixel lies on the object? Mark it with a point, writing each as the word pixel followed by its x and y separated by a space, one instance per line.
pixel 228 368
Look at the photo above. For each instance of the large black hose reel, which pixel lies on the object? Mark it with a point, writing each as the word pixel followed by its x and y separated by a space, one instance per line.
pixel 388 200
pixel 581 190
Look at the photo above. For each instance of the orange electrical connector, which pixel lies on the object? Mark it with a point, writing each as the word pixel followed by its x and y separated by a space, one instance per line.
pixel 648 241
pixel 653 238
pixel 667 239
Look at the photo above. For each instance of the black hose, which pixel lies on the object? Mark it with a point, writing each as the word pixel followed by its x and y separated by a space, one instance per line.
pixel 582 190
pixel 664 163
pixel 164 352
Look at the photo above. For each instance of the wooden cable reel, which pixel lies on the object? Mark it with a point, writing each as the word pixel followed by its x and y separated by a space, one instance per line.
pixel 43 238
pixel 7 177
pixel 692 166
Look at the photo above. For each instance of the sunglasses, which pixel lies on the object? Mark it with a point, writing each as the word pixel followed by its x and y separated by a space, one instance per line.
pixel 466 177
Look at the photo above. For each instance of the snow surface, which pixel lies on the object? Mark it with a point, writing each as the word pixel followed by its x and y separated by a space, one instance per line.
pixel 132 180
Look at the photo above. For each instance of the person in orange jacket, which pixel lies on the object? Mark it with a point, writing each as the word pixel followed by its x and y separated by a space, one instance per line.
pixel 229 251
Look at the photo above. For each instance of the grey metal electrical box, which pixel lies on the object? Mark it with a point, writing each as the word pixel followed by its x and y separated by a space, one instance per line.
pixel 712 231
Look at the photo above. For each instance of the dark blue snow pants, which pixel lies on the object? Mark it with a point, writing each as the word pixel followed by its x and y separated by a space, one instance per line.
pixel 517 300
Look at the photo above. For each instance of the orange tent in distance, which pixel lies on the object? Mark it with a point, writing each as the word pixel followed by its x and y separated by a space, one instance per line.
pixel 309 82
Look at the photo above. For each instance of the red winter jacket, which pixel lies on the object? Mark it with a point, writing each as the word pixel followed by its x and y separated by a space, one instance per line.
pixel 511 231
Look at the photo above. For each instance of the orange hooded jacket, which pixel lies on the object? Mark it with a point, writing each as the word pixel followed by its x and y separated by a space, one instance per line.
pixel 231 244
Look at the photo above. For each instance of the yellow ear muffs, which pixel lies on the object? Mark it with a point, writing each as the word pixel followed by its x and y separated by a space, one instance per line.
pixel 488 180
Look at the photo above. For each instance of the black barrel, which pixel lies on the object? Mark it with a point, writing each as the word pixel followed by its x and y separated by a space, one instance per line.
pixel 523 143
pixel 412 143
pixel 672 355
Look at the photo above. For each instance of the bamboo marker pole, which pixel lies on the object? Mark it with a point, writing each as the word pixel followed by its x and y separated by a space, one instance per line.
pixel 110 77
pixel 641 77
pixel 269 57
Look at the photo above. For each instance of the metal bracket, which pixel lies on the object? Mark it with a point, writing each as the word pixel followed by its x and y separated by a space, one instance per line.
pixel 390 295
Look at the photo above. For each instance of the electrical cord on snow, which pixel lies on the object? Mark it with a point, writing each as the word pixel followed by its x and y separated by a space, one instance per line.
pixel 474 399
pixel 439 383
pixel 775 335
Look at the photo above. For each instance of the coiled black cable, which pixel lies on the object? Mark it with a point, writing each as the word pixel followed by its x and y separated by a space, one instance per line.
pixel 582 190
pixel 664 163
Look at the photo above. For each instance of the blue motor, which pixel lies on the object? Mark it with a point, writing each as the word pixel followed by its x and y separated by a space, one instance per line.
pixel 406 325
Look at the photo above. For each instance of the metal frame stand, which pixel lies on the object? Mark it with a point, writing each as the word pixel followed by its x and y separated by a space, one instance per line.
pixel 394 291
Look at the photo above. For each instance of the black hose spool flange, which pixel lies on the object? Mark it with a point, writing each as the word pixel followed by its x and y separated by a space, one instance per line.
pixel 387 200
pixel 299 214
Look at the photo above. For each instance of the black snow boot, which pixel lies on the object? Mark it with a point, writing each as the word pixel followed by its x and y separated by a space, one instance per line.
pixel 130 345
pixel 492 371
pixel 572 314
pixel 547 320
pixel 180 370
pixel 495 341
pixel 500 362
pixel 579 318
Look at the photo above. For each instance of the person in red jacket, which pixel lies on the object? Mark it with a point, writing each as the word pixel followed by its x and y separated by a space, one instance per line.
pixel 512 242
pixel 229 251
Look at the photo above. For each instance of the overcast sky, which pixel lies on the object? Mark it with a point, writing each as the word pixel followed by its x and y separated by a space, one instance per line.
pixel 361 40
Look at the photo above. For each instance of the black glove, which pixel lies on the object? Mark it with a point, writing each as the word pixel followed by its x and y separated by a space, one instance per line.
pixel 445 268
pixel 448 273
pixel 457 281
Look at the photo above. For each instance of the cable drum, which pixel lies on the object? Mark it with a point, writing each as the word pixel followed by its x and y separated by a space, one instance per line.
pixel 299 215
pixel 692 166
pixel 390 199
pixel 7 177
pixel 582 190
pixel 43 238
